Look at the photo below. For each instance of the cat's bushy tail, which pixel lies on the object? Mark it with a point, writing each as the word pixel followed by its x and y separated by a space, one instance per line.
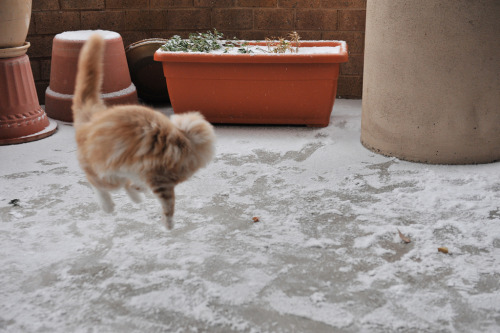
pixel 86 99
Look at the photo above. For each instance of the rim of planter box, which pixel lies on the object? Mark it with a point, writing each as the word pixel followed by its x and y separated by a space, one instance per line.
pixel 341 56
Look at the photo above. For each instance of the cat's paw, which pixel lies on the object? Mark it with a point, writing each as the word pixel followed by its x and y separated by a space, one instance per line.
pixel 168 221
pixel 105 201
pixel 108 206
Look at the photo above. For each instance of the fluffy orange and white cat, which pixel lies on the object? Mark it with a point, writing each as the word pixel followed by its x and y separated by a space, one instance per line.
pixel 132 146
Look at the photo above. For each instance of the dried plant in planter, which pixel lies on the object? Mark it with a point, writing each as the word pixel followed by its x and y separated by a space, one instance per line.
pixel 294 38
pixel 281 45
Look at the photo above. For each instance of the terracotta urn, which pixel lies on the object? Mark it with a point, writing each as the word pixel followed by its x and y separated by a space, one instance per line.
pixel 117 87
pixel 21 117
pixel 267 88
pixel 431 84
pixel 15 18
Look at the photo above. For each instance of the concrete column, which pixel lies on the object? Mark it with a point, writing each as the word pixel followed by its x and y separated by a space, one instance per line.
pixel 431 89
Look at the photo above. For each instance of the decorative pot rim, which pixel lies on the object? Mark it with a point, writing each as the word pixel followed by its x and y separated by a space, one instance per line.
pixel 145 42
pixel 46 132
pixel 11 52
pixel 341 56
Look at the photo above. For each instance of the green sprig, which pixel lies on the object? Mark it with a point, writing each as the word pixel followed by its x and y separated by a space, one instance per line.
pixel 197 42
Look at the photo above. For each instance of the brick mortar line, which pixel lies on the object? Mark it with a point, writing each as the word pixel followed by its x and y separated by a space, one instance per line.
pixel 188 30
pixel 188 8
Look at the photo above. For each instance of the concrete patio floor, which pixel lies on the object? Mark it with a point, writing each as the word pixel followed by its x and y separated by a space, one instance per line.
pixel 325 255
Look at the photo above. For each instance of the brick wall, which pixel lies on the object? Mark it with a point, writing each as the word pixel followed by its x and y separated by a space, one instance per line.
pixel 244 19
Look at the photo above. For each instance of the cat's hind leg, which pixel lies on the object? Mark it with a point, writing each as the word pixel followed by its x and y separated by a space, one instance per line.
pixel 167 200
pixel 164 191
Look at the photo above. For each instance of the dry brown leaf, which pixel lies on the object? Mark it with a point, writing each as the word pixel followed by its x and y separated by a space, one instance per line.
pixel 403 237
pixel 443 250
pixel 255 219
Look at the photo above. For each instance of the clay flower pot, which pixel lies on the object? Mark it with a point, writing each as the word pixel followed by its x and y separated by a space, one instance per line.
pixel 21 117
pixel 15 18
pixel 117 86
pixel 147 74
pixel 269 88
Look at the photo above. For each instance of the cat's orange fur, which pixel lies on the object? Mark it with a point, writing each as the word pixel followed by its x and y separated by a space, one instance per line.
pixel 133 146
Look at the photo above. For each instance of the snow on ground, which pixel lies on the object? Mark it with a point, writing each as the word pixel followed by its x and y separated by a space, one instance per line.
pixel 324 257
pixel 253 50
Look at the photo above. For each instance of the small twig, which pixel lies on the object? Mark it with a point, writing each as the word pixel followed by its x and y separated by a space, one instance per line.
pixel 404 238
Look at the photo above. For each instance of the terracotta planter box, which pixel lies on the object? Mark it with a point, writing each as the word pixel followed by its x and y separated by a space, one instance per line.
pixel 289 89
